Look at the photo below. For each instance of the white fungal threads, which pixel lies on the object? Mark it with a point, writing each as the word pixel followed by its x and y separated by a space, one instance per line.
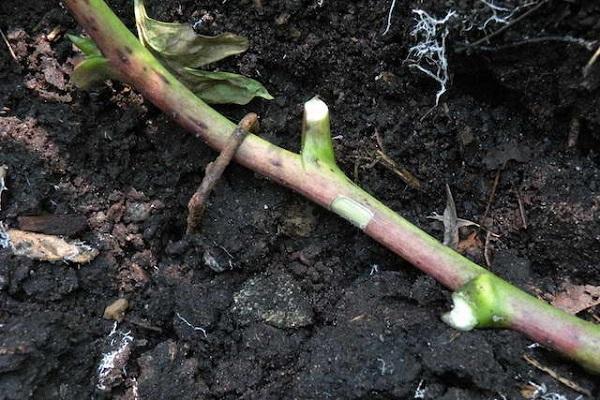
pixel 389 19
pixel 315 110
pixel 502 15
pixel 115 360
pixel 352 211
pixel 4 238
pixel 462 316
pixel 429 54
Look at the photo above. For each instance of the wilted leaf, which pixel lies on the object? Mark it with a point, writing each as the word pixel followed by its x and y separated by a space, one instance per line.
pixel 576 298
pixel 181 50
pixel 179 43
pixel 94 68
pixel 86 45
pixel 223 87
pixel 92 71
pixel 450 221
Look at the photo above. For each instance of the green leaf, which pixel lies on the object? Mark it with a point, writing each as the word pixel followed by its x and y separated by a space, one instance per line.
pixel 223 87
pixel 179 43
pixel 86 45
pixel 92 71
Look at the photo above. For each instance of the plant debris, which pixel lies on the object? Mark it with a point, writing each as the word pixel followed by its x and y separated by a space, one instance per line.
pixel 567 382
pixel 54 224
pixel 116 310
pixel 576 298
pixel 3 172
pixel 451 221
pixel 215 169
pixel 43 247
pixel 181 50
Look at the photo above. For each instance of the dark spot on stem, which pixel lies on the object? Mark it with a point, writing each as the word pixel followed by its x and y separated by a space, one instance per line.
pixel 145 68
pixel 201 126
pixel 91 23
pixel 276 162
pixel 128 50
pixel 122 57
pixel 163 78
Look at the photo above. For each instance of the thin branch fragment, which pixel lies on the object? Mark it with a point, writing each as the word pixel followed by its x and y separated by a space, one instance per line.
pixel 522 210
pixel 10 49
pixel 591 62
pixel 492 197
pixel 568 383
pixel 215 169
pixel 393 166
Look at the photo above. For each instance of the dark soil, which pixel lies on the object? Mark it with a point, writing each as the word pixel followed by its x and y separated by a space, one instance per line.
pixel 295 309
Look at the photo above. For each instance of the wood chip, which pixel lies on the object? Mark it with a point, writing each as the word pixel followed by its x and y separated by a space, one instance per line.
pixel 48 248
pixel 53 224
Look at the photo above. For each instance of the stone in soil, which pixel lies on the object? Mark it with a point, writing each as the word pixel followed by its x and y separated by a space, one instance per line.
pixel 277 300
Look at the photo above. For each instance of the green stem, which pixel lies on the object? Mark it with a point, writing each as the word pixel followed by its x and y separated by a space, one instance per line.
pixel 324 183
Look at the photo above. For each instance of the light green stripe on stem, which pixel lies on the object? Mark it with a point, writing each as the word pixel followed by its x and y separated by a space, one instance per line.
pixel 575 338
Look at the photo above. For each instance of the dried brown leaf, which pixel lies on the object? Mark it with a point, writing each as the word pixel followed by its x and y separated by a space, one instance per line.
pixel 470 244
pixel 576 298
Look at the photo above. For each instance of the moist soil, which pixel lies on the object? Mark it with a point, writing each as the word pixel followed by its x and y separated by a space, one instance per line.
pixel 277 298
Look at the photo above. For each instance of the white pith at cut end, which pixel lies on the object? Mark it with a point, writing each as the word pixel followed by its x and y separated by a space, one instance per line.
pixel 315 110
pixel 462 316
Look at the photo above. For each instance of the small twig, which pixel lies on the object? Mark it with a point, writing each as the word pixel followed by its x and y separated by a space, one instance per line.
pixel 10 49
pixel 143 324
pixel 215 169
pixel 521 209
pixel 492 196
pixel 507 26
pixel 568 383
pixel 389 163
pixel 574 129
pixel 486 249
pixel 587 44
pixel 591 62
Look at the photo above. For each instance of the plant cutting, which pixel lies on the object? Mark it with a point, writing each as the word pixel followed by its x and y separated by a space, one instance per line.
pixel 481 299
